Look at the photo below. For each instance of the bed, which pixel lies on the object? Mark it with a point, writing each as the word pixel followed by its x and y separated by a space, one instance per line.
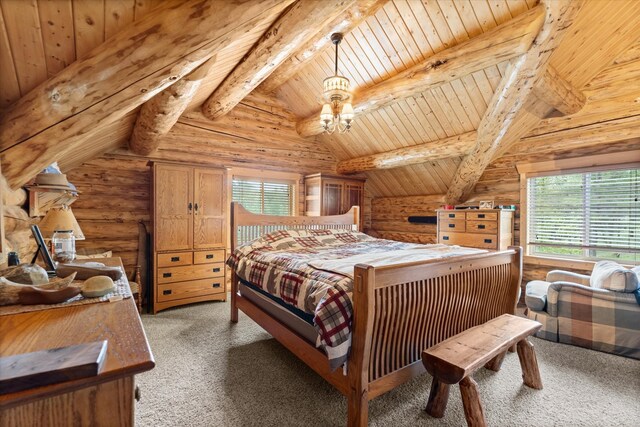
pixel 397 310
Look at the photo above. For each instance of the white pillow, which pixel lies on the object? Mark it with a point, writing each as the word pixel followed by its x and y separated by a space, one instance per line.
pixel 612 276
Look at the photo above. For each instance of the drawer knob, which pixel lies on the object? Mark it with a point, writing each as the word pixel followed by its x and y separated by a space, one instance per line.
pixel 209 256
pixel 445 237
pixel 452 226
pixel 480 215
pixel 137 394
pixel 175 258
pixel 167 292
pixel 452 215
pixel 216 285
pixel 481 226
pixel 166 274
pixel 216 270
pixel 488 240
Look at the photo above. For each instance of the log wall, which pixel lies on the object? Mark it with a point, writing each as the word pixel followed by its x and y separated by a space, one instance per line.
pixel 18 237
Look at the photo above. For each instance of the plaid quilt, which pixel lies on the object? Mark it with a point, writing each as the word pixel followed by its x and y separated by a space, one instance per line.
pixel 278 263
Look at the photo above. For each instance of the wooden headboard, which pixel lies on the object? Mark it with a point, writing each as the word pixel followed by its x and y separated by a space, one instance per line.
pixel 247 226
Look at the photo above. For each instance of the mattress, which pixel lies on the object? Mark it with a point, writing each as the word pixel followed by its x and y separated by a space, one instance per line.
pixel 278 310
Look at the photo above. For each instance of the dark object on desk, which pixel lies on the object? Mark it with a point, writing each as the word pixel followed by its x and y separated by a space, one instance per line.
pixel 86 270
pixel 42 251
pixel 40 368
pixel 13 259
pixel 429 219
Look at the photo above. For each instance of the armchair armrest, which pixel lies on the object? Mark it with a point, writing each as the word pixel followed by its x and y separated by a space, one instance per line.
pixel 567 276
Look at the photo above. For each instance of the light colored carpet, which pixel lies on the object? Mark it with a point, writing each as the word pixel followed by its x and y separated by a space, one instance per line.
pixel 212 373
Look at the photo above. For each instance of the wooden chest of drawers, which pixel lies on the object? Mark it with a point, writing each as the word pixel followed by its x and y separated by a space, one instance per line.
pixel 484 228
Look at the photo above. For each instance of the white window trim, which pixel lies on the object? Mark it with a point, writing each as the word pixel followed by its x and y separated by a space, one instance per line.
pixel 555 167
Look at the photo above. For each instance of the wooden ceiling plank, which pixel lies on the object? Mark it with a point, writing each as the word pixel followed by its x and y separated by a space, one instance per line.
pixel 516 7
pixel 504 42
pixel 422 122
pixel 395 126
pixel 415 27
pixel 88 25
pixel 443 112
pixel 500 11
pixel 143 7
pixel 429 151
pixel 56 22
pixel 384 17
pixel 25 37
pixel 345 23
pixel 412 122
pixel 512 112
pixel 431 116
pixel 456 104
pixel 295 27
pixel 9 87
pixel 117 15
pixel 57 118
pixel 475 95
pixel 158 115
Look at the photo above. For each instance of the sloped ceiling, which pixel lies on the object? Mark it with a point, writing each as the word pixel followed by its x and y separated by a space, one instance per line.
pixel 406 32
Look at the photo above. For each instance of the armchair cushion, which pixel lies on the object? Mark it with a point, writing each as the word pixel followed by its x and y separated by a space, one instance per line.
pixel 612 276
pixel 536 295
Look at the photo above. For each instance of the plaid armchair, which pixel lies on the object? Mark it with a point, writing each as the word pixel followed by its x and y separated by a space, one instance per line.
pixel 573 312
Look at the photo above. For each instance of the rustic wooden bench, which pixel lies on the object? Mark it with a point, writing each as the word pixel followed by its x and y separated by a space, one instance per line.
pixel 456 359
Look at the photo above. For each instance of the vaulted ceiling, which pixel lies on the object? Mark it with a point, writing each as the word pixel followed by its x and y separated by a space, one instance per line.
pixel 600 54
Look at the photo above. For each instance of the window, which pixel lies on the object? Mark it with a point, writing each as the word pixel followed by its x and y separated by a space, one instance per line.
pixel 264 195
pixel 587 215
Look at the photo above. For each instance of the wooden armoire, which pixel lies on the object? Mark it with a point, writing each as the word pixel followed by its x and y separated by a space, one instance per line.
pixel 332 195
pixel 189 234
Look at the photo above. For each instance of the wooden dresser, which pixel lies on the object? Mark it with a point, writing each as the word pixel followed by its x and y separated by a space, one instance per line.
pixel 332 195
pixel 477 228
pixel 103 400
pixel 189 234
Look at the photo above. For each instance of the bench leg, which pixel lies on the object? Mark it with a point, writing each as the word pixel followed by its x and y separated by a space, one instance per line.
pixel 529 365
pixel 438 398
pixel 512 349
pixel 496 363
pixel 471 402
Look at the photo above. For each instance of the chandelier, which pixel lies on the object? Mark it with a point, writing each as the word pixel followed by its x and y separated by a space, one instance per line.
pixel 337 112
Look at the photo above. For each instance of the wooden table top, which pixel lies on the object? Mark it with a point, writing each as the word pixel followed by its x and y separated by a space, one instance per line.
pixel 128 350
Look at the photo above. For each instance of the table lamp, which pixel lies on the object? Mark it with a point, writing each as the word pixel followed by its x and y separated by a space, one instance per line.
pixel 58 225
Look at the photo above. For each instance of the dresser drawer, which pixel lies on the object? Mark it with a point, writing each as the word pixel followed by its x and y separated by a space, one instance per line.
pixel 190 272
pixel 175 259
pixel 490 227
pixel 486 216
pixel 451 224
pixel 451 215
pixel 472 240
pixel 192 288
pixel 205 257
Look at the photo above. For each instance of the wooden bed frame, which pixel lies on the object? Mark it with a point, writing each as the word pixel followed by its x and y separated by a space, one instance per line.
pixel 398 310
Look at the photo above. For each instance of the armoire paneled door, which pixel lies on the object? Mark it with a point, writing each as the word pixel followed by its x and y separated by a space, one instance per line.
pixel 189 236
pixel 332 195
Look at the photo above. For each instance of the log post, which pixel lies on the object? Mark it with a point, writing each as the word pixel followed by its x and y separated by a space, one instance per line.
pixel 504 42
pixel 157 116
pixel 290 31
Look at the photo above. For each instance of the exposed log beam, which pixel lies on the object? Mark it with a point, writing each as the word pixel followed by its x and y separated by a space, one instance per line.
pixel 514 110
pixel 459 145
pixel 131 68
pixel 507 41
pixel 290 31
pixel 157 116
pixel 342 24
pixel 558 93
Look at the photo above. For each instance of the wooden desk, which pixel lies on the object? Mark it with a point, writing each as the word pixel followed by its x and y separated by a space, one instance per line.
pixel 103 400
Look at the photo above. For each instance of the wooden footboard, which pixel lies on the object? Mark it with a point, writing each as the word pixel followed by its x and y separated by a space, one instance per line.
pixel 398 310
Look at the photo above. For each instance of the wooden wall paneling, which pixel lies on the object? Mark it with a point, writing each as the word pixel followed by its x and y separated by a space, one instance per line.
pixel 9 87
pixel 88 25
pixel 23 31
pixel 56 22
pixel 117 15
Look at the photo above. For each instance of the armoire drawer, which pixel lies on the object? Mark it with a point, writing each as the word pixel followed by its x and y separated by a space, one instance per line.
pixel 485 241
pixel 451 224
pixel 490 227
pixel 190 272
pixel 204 257
pixel 451 214
pixel 192 288
pixel 485 216
pixel 175 259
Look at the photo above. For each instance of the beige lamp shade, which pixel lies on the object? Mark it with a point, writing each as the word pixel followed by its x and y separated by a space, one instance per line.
pixel 60 219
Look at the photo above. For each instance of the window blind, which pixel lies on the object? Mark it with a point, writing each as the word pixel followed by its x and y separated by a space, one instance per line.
pixel 264 196
pixel 592 215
